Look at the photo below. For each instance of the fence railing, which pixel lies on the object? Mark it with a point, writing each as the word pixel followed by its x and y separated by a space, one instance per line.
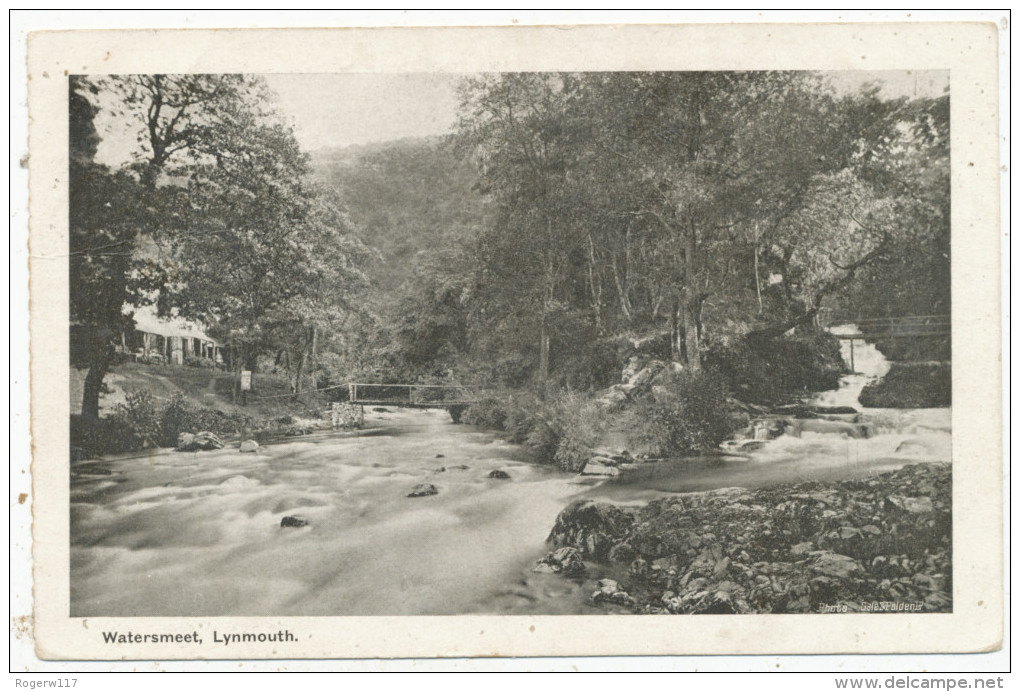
pixel 412 394
pixel 905 326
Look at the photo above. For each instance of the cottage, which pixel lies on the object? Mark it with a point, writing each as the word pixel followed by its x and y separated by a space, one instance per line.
pixel 169 339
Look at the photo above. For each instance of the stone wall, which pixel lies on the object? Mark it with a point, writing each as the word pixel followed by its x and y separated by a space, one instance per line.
pixel 347 416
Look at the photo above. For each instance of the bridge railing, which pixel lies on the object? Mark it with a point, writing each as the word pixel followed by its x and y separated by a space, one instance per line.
pixel 413 394
pixel 904 326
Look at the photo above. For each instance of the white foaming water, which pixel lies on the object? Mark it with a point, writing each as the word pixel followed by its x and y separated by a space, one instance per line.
pixel 895 436
pixel 824 451
pixel 175 534
pixel 166 536
pixel 868 363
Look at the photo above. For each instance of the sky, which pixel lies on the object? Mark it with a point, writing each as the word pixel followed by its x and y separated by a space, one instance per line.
pixel 330 110
pixel 338 110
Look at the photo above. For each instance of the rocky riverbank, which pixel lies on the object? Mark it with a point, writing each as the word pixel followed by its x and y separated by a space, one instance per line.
pixel 875 545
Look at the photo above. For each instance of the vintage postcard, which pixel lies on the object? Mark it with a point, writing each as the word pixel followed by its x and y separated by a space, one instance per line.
pixel 519 341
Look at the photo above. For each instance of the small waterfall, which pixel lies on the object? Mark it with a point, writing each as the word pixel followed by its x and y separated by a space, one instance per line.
pixel 868 362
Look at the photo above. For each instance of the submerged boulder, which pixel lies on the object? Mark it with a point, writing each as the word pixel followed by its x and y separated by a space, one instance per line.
pixel 499 474
pixel 249 446
pixel 293 522
pixel 423 490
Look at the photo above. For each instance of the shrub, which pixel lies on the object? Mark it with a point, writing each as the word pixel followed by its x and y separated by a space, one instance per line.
pixel 560 427
pixel 920 385
pixel 692 417
pixel 141 423
pixel 178 416
pixel 582 423
pixel 489 413
pixel 93 437
pixel 522 417
pixel 140 415
pixel 199 362
pixel 780 370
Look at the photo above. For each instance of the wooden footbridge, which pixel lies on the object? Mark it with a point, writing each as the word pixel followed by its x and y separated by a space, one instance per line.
pixel 454 398
pixel 881 328
pixel 902 327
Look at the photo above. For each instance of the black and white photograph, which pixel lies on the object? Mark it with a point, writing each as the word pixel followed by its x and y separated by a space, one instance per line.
pixel 509 343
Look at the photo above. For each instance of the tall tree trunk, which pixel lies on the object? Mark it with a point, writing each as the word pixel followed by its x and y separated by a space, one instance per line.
pixel 691 342
pixel 300 371
pixel 543 354
pixel 311 360
pixel 689 305
pixel 757 278
pixel 99 365
pixel 675 352
pixel 594 286
pixel 547 298
pixel 622 292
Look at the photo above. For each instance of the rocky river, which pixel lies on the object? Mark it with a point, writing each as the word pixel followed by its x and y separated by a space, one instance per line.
pixel 324 525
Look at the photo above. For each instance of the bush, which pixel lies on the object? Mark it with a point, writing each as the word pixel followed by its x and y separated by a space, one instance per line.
pixel 911 386
pixel 582 422
pixel 780 370
pixel 140 415
pixel 94 437
pixel 199 362
pixel 141 422
pixel 693 416
pixel 488 413
pixel 178 416
pixel 560 427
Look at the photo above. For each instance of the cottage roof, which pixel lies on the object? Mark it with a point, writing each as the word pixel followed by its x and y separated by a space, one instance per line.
pixel 146 320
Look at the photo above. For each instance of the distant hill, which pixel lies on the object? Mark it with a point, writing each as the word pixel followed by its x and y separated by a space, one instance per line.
pixel 407 196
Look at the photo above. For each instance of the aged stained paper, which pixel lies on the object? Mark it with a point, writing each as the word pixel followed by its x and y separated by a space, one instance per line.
pixel 966 51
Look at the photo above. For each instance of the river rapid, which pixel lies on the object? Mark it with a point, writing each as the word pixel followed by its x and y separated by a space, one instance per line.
pixel 198 534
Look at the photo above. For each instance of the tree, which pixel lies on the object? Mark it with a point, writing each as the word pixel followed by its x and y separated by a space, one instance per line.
pixel 104 220
pixel 182 121
pixel 220 190
pixel 515 123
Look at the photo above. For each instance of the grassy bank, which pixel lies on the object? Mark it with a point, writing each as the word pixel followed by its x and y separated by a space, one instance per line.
pixel 146 406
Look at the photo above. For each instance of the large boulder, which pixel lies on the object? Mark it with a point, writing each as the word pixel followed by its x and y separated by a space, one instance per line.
pixel 830 564
pixel 592 527
pixel 649 374
pixel 914 505
pixel 249 446
pixel 188 442
pixel 597 466
pixel 614 396
pixel 610 590
pixel 561 561
pixel 293 522
pixel 423 490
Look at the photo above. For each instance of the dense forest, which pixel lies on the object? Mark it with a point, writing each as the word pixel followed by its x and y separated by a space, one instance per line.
pixel 571 221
